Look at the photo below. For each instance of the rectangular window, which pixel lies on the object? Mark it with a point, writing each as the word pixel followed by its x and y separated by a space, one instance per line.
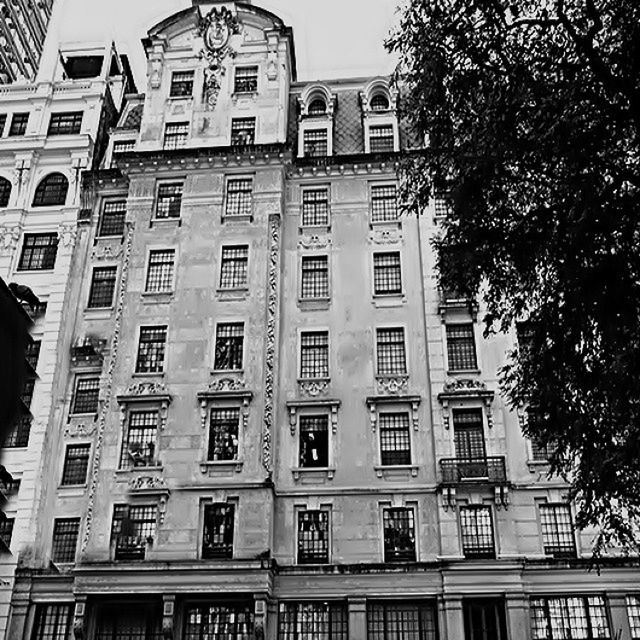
pixel 399 534
pixel 18 124
pixel 381 138
pixel 27 392
pixel 476 530
pixel 85 398
pixel 239 197
pixel 19 435
pixel 315 277
pixel 169 200
pixel 469 434
pixel 391 357
pixel 484 618
pixel 233 267
pixel 32 354
pixel 223 434
pixel 103 285
pixel 401 620
pixel 6 532
pixel 175 135
pixel 569 617
pixel 130 620
pixel 139 447
pixel 314 354
pixel 314 441
pixel 315 143
pixel 53 622
pixel 313 537
pixel 76 464
pixel 39 252
pixel 133 527
pixel 65 539
pixel 461 347
pixel 151 349
pixel 160 271
pixel 557 530
pixel 67 123
pixel 217 539
pixel 246 80
pixel 181 84
pixel 123 146
pixel 112 219
pixel 315 207
pixel 3 121
pixel 442 204
pixel 313 621
pixel 10 488
pixel 633 611
pixel 229 346
pixel 220 621
pixel 395 443
pixel 243 132
pixel 387 276
pixel 384 203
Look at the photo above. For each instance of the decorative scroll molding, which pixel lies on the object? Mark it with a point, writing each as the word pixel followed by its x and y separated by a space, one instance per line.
pixel 68 232
pixel 151 388
pixel 465 389
pixel 314 388
pixel 107 252
pixel 156 484
pixel 10 236
pixel 320 404
pixel 78 617
pixel 227 384
pixel 374 402
pixel 314 241
pixel 80 430
pixel 149 391
pixel 392 385
pixel 386 235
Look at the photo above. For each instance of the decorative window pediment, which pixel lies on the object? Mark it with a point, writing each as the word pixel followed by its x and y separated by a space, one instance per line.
pixel 464 391
pixel 149 393
pixel 375 402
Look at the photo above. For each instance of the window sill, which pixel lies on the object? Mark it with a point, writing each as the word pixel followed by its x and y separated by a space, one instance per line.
pixel 537 465
pixel 27 272
pixel 237 218
pixel 227 372
pixel 396 471
pixel 98 313
pixel 153 297
pixel 166 222
pixel 313 474
pixel 314 229
pixel 125 473
pixel 238 95
pixel 389 299
pixel 377 224
pixel 462 372
pixel 233 294
pixel 214 467
pixel 185 98
pixel 147 374
pixel 72 490
pixel 313 386
pixel 314 304
pixel 83 416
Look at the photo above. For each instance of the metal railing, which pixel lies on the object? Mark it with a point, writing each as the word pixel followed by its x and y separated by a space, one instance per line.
pixel 491 470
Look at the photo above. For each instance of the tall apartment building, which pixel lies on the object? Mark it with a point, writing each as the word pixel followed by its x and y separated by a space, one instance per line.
pixel 270 423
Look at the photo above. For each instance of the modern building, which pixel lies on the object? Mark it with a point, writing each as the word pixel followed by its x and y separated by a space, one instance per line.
pixel 269 422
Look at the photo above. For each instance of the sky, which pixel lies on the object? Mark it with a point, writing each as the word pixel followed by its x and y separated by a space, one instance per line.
pixel 333 38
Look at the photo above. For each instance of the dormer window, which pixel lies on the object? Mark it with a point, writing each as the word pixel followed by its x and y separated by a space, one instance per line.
pixel 315 143
pixel 315 133
pixel 379 102
pixel 318 107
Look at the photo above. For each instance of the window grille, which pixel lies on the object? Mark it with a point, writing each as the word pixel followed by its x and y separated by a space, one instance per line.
pixel 469 434
pixel 315 143
pixel 53 622
pixel 133 527
pixel 384 203
pixel 112 220
pixel 314 441
pixel 175 135
pixel 181 84
pixel 151 349
pixel 315 207
pixel 442 205
pixel 139 621
pixel 3 121
pixel 391 355
pixel 122 146
pixel 39 252
pixel 243 132
pixel 381 138
pixel 6 531
pixel 67 123
pixel 103 284
pixel 65 539
pixel 557 530
pixel 223 434
pixel 32 354
pixel 633 611
pixel 239 197
pixel 401 620
pixel 139 447
pixel 27 392
pixel 246 80
pixel 51 191
pixel 313 621
pixel 569 617
pixel 395 443
pixel 476 528
pixel 314 354
pixel 313 537
pixel 5 192
pixel 233 267
pixel 315 277
pixel 160 271
pixel 85 398
pixel 379 102
pixel 461 347
pixel 76 464
pixel 399 534
pixel 18 124
pixel 221 621
pixel 387 276
pixel 217 539
pixel 169 200
pixel 484 618
pixel 19 435
pixel 229 346
pixel 318 107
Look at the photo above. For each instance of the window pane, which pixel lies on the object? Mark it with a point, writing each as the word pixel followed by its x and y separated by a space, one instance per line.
pixel 86 395
pixel 76 464
pixel 314 354
pixel 51 191
pixel 313 537
pixel 18 124
pixel 233 267
pixel 476 528
pixel 246 80
pixel 391 352
pixel 243 131
pixel 312 621
pixel 387 277
pixel 401 620
pixel 6 532
pixel 461 347
pixel 223 434
pixel 384 203
pixel 239 197
pixel 569 618
pixel 169 200
pixel 557 530
pixel 65 123
pixel 112 220
pixel 315 207
pixel 160 271
pixel 314 441
pixel 633 610
pixel 315 143
pixel 132 529
pixel 399 535
pixel 39 251
pixel 315 277
pixel 395 447
pixel 229 346
pixel 381 138
pixel 65 539
pixel 139 621
pixel 181 84
pixel 53 622
pixel 139 448
pixel 151 349
pixel 175 135
pixel 5 192
pixel 218 531
pixel 220 621
pixel 103 284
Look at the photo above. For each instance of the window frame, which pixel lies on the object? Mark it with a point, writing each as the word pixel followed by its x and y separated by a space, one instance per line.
pixel 229 550
pixel 49 252
pixel 314 330
pixel 111 268
pixel 386 374
pixel 61 627
pixel 56 547
pixel 19 123
pixel 249 131
pixel 556 534
pixel 393 411
pixel 373 198
pixel 63 123
pixel 220 406
pixel 68 461
pixel 398 607
pixel 103 205
pixel 632 602
pixel 564 608
pixel 231 322
pixel 178 138
pixel 187 83
pixel 245 204
pixel 151 250
pixel 126 461
pixel 44 189
pixel 314 130
pixel 163 362
pixel 479 552
pixel 170 214
pixel 474 337
pixel 144 542
pixel 299 620
pixel 311 413
pixel 387 294
pixel 233 260
pixel 6 188
pixel 74 401
pixel 241 91
pixel 409 508
pixel 310 188
pixel 299 552
pixel 306 258
pixel 389 137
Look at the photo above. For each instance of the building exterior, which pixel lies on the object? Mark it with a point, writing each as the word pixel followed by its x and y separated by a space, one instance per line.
pixel 269 422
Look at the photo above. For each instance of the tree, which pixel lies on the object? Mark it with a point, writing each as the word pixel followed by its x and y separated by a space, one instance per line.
pixel 532 111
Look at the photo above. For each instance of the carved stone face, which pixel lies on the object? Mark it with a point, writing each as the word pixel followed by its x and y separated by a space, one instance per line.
pixel 217 35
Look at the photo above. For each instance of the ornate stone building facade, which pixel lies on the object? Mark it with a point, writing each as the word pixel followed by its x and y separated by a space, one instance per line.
pixel 270 423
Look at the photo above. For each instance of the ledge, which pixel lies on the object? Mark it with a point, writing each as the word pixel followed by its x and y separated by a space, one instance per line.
pixel 313 474
pixel 237 218
pixel 240 293
pixel 382 300
pixel 153 297
pixel 72 490
pixel 396 471
pixel 314 304
pixel 215 467
pixel 122 474
pixel 165 222
pixel 102 313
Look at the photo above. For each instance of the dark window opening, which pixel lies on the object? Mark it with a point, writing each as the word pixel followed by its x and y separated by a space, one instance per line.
pixel 395 442
pixel 19 123
pixel 169 200
pixel 113 217
pixel 313 621
pixel 51 191
pixel 68 123
pixel 476 527
pixel 314 441
pixel 103 285
pixel 314 355
pixel 243 132
pixel 220 621
pixel 484 618
pixel 151 349
pixel 313 537
pixel 229 346
pixel 39 252
pixel 181 84
pixel 218 531
pixel 65 539
pixel 246 80
pixel 139 447
pixel 86 395
pixel 80 67
pixel 76 464
pixel 402 620
pixel 133 528
pixel 461 347
pixel 399 535
pixel 387 275
pixel 223 434
pixel 5 192
pixel 53 622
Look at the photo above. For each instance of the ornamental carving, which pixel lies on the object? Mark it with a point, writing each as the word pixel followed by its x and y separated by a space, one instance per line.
pixel 465 389
pixel 464 385
pixel 79 430
pixel 107 252
pixel 68 232
pixel 147 389
pixel 148 483
pixel 392 385
pixel 386 236
pixel 313 388
pixel 227 384
pixel 10 235
pixel 314 241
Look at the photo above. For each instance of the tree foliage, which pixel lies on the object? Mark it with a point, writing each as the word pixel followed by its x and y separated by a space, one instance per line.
pixel 532 112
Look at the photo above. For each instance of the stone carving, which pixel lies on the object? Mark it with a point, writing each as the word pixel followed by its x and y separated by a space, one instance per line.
pixel 313 388
pixel 314 241
pixel 78 620
pixel 464 385
pixel 227 384
pixel 79 430
pixel 466 388
pixel 386 236
pixel 68 233
pixel 148 483
pixel 10 236
pixel 392 385
pixel 107 252
pixel 151 388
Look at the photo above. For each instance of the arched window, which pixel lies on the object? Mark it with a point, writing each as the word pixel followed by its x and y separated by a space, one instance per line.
pixel 379 102
pixel 5 192
pixel 318 107
pixel 52 190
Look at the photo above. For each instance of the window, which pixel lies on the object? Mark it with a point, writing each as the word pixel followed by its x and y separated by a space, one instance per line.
pixel 313 621
pixel 391 355
pixel 103 284
pixel 318 107
pixel 476 531
pixel 5 192
pixel 633 611
pixel 85 399
pixel 243 132
pixel 18 124
pixel 133 527
pixel 315 277
pixel 133 620
pixel 76 464
pixel 220 621
pixel 239 197
pixel 381 138
pixel 11 487
pixel 229 346
pixel 468 434
pixel 379 102
pixel 32 354
pixel 387 276
pixel 315 207
pixel 314 441
pixel 160 271
pixel 484 618
pixel 122 146
pixel 3 121
pixel 67 123
pixel 233 267
pixel 27 392
pixel 19 435
pixel 51 191
pixel 399 534
pixel 401 620
pixel 181 84
pixel 314 354
pixel 246 80
pixel 569 617
pixel 139 447
pixel 39 252
pixel 217 539
pixel 461 347
pixel 223 434
pixel 6 531
pixel 395 443
pixel 384 203
pixel 442 204
pixel 169 200
pixel 151 349
pixel 65 539
pixel 315 143
pixel 313 537
pixel 175 135
pixel 524 334
pixel 557 530
pixel 53 622
pixel 112 219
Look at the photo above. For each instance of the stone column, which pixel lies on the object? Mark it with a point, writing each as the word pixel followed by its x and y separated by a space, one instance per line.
pixel 517 610
pixel 453 619
pixel 357 619
pixel 168 611
pixel 620 628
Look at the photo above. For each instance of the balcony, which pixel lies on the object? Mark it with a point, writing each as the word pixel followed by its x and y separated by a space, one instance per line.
pixel 458 471
pixel 131 547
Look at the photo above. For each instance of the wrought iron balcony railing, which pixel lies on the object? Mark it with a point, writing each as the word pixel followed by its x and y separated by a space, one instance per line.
pixel 491 470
